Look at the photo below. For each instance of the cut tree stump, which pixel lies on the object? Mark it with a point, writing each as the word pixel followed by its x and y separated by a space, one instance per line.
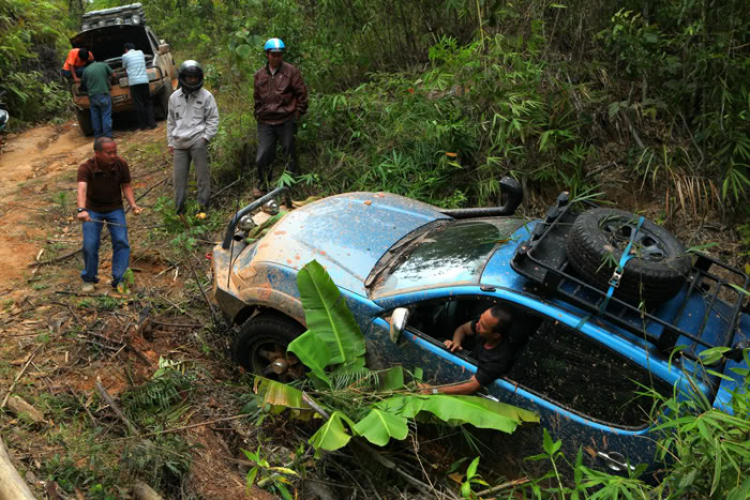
pixel 12 485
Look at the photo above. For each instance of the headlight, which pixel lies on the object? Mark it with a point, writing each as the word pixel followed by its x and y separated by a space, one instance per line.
pixel 136 19
pixel 271 207
pixel 118 21
pixel 246 223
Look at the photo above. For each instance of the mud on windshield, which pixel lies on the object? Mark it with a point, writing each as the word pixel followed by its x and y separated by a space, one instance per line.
pixel 452 253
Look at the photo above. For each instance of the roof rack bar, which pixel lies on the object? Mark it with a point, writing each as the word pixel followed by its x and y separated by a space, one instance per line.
pixel 557 280
pixel 627 326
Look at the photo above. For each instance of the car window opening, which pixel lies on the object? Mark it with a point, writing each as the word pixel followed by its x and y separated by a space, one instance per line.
pixel 555 362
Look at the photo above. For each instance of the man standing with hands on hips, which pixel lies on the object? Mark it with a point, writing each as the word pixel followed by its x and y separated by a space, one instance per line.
pixel 280 97
pixel 102 182
pixel 192 121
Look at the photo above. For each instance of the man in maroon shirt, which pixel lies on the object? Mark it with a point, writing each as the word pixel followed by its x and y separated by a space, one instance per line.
pixel 102 181
pixel 280 98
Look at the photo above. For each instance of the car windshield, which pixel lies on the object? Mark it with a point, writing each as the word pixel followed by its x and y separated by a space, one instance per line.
pixel 455 253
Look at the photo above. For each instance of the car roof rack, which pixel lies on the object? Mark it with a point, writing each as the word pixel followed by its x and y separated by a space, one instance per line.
pixel 542 259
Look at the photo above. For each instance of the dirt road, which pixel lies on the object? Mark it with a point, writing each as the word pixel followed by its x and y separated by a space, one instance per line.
pixel 29 164
pixel 38 175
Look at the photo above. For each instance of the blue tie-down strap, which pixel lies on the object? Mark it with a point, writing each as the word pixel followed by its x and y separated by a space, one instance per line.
pixel 614 281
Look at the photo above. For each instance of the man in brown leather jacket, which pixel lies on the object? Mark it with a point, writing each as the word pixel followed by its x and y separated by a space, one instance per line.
pixel 280 99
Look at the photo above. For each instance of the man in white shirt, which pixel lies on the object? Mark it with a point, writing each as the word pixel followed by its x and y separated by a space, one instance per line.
pixel 192 121
pixel 134 63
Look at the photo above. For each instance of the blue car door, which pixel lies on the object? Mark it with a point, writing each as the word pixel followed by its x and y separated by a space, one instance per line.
pixel 583 390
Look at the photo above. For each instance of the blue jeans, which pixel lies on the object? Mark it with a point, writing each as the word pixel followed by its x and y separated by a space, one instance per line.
pixel 101 114
pixel 92 232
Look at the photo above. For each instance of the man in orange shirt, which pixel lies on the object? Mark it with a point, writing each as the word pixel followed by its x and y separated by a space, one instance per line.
pixel 76 63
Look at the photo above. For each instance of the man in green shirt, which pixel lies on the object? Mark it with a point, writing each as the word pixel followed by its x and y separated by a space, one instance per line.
pixel 96 80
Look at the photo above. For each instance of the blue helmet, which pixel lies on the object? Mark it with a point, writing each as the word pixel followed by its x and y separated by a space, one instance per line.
pixel 274 45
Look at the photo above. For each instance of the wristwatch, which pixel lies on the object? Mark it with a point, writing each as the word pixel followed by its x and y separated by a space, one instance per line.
pixel 81 210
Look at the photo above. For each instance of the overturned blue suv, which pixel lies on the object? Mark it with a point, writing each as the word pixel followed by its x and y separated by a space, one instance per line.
pixel 602 298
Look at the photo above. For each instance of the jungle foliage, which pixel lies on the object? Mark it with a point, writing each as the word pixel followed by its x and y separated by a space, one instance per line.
pixel 32 40
pixel 438 99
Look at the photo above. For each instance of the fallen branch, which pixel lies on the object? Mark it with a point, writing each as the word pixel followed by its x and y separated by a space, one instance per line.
pixel 200 424
pixel 20 405
pixel 178 325
pixel 83 403
pixel 504 486
pixel 12 486
pixel 113 405
pixel 18 377
pixel 224 189
pixel 138 353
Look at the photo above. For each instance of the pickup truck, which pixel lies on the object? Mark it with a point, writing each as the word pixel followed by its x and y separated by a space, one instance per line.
pixel 104 32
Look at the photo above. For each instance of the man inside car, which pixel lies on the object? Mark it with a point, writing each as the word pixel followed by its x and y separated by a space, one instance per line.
pixel 493 350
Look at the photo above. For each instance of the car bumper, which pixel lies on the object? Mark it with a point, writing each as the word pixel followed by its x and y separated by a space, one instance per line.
pixel 225 294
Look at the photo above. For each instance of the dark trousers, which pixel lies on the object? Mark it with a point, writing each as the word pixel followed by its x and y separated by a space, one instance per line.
pixel 144 107
pixel 267 137
pixel 69 75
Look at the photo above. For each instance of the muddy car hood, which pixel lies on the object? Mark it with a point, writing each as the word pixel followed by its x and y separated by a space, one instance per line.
pixel 347 234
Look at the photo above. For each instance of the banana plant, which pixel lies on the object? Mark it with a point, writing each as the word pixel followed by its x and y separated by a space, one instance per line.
pixel 333 348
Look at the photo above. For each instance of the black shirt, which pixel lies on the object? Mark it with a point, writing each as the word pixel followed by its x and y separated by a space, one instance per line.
pixel 494 362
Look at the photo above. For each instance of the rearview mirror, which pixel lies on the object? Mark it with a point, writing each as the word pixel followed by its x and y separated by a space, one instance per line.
pixel 399 318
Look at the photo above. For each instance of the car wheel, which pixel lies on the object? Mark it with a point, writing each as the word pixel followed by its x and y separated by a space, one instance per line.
pixel 260 347
pixel 84 121
pixel 655 274
pixel 161 108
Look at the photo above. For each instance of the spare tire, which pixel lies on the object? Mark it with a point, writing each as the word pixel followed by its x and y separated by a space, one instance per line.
pixel 657 270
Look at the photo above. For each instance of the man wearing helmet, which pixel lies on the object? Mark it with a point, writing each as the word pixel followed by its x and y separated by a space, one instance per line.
pixel 280 98
pixel 192 121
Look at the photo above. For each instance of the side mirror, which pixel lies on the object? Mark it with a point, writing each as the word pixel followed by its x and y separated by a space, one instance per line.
pixel 164 48
pixel 399 318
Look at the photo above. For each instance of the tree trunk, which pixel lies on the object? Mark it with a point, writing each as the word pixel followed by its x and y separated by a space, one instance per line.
pixel 12 485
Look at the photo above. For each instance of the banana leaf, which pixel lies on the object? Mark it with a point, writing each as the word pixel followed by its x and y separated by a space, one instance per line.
pixel 313 354
pixel 279 395
pixel 479 412
pixel 392 379
pixel 332 435
pixel 328 316
pixel 379 426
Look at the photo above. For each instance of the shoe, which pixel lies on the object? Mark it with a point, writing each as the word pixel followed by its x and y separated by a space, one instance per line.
pixel 258 193
pixel 87 287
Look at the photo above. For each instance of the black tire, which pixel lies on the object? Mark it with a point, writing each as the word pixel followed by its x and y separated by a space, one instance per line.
pixel 655 274
pixel 84 121
pixel 161 106
pixel 263 340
